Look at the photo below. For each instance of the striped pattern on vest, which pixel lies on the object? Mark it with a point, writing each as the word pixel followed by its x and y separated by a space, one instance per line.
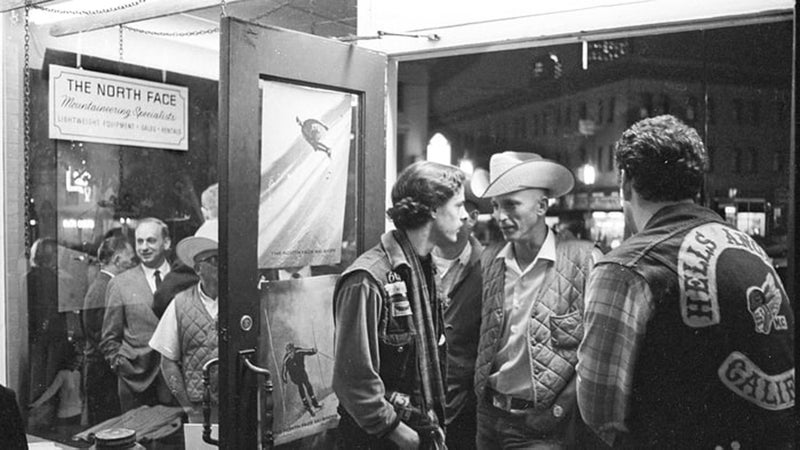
pixel 197 334
pixel 556 325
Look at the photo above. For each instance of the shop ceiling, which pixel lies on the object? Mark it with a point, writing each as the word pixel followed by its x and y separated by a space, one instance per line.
pixel 414 29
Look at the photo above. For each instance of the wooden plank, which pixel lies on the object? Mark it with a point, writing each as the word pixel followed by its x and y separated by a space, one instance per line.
pixel 9 5
pixel 146 11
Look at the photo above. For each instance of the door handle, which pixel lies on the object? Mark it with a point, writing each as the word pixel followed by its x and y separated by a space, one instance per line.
pixel 207 402
pixel 265 425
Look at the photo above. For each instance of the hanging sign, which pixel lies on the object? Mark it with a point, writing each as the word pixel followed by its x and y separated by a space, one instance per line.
pixel 98 107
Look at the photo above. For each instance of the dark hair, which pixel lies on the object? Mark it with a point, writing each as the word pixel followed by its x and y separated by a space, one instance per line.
pixel 110 246
pixel 44 253
pixel 664 158
pixel 71 358
pixel 421 188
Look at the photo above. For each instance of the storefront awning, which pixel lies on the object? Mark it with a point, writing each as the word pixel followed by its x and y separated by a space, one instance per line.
pixel 451 27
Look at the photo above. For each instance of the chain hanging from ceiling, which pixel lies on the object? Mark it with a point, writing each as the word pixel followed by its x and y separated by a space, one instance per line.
pixel 91 12
pixel 29 213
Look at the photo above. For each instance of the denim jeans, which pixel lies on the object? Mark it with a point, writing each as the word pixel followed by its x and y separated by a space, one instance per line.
pixel 498 429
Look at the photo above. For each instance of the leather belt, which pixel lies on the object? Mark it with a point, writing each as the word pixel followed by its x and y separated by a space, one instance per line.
pixel 507 402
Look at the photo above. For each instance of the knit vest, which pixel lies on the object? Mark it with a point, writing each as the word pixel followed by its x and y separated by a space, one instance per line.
pixel 716 365
pixel 556 324
pixel 197 334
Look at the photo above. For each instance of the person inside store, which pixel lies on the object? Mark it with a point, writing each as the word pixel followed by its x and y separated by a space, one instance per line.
pixel 186 336
pixel 116 255
pixel 388 369
pixel 458 275
pixel 183 277
pixel 66 387
pixel 129 320
pixel 47 327
pixel 689 337
pixel 533 289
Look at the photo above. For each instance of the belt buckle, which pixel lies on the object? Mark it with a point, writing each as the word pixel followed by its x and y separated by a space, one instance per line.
pixel 505 402
pixel 501 401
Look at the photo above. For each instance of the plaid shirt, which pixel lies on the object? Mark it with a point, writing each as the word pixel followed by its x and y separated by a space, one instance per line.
pixel 619 304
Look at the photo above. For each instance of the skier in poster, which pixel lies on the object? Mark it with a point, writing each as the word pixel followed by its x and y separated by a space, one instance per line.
pixel 294 365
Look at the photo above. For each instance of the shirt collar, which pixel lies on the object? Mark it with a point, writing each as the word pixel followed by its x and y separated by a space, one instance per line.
pixel 462 258
pixel 546 251
pixel 203 295
pixel 393 251
pixel 163 270
pixel 109 273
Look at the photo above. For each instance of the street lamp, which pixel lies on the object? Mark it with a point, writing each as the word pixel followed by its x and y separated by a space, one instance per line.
pixel 587 174
pixel 466 166
pixel 438 149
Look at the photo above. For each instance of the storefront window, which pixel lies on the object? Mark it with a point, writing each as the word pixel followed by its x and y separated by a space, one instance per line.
pixel 82 191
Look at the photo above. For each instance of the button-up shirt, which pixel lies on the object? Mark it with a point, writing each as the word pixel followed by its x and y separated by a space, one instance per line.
pixel 512 366
pixel 619 303
pixel 149 274
pixel 448 271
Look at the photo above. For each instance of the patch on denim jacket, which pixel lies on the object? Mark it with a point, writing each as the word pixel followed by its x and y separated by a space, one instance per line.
pixel 747 380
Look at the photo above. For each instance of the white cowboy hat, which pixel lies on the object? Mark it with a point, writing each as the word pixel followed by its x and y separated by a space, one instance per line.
pixel 515 171
pixel 205 238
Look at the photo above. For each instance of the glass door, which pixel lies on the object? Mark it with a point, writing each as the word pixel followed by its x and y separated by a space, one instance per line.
pixel 302 188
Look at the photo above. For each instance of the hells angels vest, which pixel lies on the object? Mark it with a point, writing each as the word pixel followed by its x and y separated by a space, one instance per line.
pixel 716 367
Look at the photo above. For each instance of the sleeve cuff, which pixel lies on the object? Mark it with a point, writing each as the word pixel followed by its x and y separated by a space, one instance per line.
pixel 390 428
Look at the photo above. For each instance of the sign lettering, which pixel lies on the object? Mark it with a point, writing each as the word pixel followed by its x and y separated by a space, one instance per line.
pixel 98 107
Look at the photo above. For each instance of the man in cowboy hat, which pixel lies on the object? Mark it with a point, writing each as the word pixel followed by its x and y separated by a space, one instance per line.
pixel 532 312
pixel 186 336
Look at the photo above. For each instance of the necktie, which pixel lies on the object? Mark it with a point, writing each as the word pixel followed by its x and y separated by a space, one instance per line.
pixel 157 276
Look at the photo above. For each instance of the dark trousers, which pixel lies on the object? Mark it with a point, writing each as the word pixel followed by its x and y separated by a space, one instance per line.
pixel 306 390
pixel 102 399
pixel 352 437
pixel 500 430
pixel 462 430
pixel 155 394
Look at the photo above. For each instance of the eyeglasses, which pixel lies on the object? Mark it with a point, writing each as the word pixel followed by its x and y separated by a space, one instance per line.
pixel 211 259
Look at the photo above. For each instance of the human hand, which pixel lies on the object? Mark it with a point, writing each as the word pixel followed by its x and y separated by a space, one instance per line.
pixel 404 437
pixel 122 365
pixel 195 414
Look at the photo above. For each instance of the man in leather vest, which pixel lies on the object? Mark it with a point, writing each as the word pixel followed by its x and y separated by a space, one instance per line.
pixel 689 332
pixel 186 336
pixel 389 342
pixel 532 312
